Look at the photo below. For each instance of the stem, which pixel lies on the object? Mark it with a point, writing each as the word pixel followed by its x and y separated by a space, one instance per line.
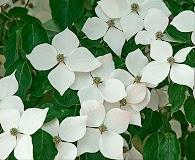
pixel 27 3
pixel 6 16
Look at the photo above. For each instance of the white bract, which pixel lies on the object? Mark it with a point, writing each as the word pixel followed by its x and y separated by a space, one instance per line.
pixel 103 130
pixel 18 130
pixel 155 24
pixel 69 130
pixel 8 87
pixel 133 22
pixel 97 85
pixel 69 58
pixel 185 22
pixel 159 98
pixel 109 29
pixel 164 62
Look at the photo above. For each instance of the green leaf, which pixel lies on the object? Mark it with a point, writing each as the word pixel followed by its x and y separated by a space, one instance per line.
pixel 189 108
pixel 179 36
pixel 68 99
pixel 173 7
pixel 51 28
pixel 11 49
pixel 92 156
pixel 23 76
pixel 32 35
pixel 169 148
pixel 17 12
pixel 189 146
pixel 151 123
pixel 40 84
pixel 53 112
pixel 29 19
pixel 14 26
pixel 65 12
pixel 176 94
pixel 43 146
pixel 151 146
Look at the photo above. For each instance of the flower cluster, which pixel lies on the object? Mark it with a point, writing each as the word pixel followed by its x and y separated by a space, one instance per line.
pixel 110 98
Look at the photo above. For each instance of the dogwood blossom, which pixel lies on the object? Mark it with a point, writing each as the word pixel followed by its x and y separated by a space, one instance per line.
pixel 97 85
pixel 135 62
pixel 155 24
pixel 69 130
pixel 164 62
pixel 184 22
pixel 64 53
pixel 133 22
pixel 8 87
pixel 159 98
pixel 103 130
pixel 18 130
pixel 106 27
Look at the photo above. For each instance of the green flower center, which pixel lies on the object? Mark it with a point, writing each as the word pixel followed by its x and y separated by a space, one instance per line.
pixel 60 58
pixel 13 132
pixel 97 80
pixel 159 35
pixel 134 7
pixel 102 128
pixel 171 60
pixel 110 23
pixel 125 149
pixel 123 102
pixel 56 140
pixel 138 79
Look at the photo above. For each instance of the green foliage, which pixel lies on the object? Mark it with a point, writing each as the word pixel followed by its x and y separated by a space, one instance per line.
pixel 189 108
pixel 189 146
pixel 176 96
pixel 44 147
pixel 162 146
pixel 65 12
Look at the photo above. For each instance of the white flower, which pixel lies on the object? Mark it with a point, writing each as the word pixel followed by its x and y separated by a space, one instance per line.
pixel 69 130
pixel 103 130
pixel 8 87
pixel 64 53
pixel 17 131
pixel 138 93
pixel 184 22
pixel 109 29
pixel 133 22
pixel 97 85
pixel 159 98
pixel 164 62
pixel 155 24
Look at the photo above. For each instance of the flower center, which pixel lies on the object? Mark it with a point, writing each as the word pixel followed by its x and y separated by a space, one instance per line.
pixel 60 58
pixel 123 102
pixel 138 79
pixel 110 23
pixel 159 35
pixel 56 140
pixel 134 7
pixel 125 149
pixel 13 132
pixel 171 60
pixel 97 80
pixel 102 128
